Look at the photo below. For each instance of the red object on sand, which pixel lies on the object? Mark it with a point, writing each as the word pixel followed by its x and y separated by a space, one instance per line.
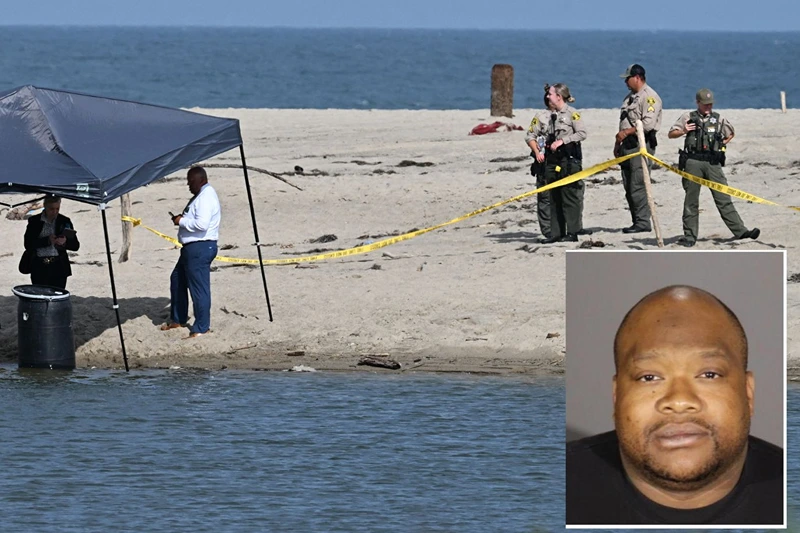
pixel 481 129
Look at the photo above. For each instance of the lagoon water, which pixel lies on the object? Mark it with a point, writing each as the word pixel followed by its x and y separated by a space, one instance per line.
pixel 198 451
pixel 180 450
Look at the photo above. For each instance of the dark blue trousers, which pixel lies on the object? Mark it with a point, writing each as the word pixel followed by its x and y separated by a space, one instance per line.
pixel 192 275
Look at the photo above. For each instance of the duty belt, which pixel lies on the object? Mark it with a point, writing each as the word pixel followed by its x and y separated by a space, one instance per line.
pixel 632 141
pixel 712 157
pixel 555 157
pixel 715 158
pixel 565 151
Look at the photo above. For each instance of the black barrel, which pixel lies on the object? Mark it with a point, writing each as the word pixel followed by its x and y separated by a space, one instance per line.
pixel 44 324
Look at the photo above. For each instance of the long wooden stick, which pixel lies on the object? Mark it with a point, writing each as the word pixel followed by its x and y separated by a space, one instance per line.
pixel 230 165
pixel 647 186
pixel 127 228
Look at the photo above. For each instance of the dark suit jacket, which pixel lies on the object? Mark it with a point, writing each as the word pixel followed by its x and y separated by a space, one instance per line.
pixel 33 241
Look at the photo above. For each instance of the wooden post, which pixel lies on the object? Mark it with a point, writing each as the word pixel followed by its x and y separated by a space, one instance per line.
pixel 647 185
pixel 127 228
pixel 783 101
pixel 502 91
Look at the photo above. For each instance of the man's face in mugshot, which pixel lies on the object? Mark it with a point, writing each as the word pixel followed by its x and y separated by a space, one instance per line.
pixel 682 396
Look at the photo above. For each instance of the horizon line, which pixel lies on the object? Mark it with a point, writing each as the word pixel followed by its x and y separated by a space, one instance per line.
pixel 382 28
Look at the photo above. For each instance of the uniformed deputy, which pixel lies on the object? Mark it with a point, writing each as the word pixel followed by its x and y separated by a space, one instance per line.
pixel 536 139
pixel 703 155
pixel 563 157
pixel 642 103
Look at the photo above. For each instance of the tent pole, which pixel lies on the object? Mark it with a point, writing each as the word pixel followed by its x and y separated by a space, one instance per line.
pixel 113 286
pixel 255 230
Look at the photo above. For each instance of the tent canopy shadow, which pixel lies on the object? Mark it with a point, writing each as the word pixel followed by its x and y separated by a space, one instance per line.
pixel 91 316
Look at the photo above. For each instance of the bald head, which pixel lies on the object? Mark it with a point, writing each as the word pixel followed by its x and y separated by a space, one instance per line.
pixel 681 360
pixel 676 307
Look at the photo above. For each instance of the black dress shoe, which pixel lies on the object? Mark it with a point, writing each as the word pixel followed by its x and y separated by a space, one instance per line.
pixel 570 237
pixel 549 240
pixel 752 234
pixel 635 229
pixel 688 243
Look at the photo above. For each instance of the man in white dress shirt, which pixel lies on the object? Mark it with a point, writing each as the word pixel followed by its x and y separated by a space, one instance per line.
pixel 198 231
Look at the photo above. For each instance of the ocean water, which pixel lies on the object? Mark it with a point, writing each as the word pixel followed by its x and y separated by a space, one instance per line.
pixel 394 69
pixel 98 451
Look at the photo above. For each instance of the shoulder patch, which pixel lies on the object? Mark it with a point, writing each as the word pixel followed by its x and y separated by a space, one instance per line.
pixel 651 100
pixel 535 121
pixel 576 116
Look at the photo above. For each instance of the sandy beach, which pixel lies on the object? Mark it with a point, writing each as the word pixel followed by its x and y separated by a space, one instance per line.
pixel 481 295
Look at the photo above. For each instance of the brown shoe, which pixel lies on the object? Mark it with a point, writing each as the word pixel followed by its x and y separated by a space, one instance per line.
pixel 171 325
pixel 194 335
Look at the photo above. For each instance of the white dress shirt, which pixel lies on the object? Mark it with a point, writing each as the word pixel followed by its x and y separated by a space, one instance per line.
pixel 200 220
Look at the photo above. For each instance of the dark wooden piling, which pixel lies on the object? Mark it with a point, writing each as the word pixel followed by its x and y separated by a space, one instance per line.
pixel 502 91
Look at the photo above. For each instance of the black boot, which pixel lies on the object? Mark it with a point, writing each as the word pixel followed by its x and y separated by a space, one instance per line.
pixel 752 234
pixel 636 229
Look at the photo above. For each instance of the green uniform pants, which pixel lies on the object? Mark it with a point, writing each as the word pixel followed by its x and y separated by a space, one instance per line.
pixel 691 203
pixel 542 199
pixel 566 206
pixel 635 193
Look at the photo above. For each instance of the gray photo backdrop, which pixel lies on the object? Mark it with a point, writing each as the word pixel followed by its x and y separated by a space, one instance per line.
pixel 603 286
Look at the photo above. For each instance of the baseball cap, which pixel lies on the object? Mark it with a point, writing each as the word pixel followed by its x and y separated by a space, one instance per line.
pixel 633 70
pixel 705 96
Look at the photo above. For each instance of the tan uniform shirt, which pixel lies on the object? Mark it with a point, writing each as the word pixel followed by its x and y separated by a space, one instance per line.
pixel 645 106
pixel 567 126
pixel 538 125
pixel 725 127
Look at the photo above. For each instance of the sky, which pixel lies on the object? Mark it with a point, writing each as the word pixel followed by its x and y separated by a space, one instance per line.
pixel 718 15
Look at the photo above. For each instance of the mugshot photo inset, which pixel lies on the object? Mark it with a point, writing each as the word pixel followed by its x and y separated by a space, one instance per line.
pixel 676 389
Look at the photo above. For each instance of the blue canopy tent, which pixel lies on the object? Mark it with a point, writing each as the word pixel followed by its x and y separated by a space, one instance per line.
pixel 92 150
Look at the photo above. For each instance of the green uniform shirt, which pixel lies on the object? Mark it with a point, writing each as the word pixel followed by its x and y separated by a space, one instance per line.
pixel 725 127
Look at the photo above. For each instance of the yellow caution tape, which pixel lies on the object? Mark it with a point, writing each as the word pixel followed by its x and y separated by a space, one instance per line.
pixel 138 222
pixel 730 191
pixel 406 236
pixel 583 174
